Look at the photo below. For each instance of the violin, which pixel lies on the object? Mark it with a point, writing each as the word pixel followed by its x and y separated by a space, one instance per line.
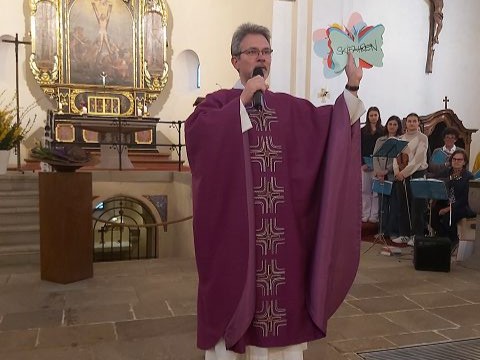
pixel 402 160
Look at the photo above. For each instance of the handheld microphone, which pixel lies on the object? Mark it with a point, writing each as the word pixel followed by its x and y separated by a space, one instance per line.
pixel 258 96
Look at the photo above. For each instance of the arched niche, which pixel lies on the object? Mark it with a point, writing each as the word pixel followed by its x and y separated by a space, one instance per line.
pixel 120 232
pixel 187 66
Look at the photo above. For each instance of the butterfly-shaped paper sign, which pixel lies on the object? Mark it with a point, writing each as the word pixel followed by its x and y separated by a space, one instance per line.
pixel 334 44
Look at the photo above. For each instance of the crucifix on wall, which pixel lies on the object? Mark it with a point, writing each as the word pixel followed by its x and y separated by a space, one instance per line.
pixel 436 25
pixel 446 100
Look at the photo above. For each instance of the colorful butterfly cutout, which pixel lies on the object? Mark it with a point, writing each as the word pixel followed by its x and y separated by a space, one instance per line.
pixel 334 44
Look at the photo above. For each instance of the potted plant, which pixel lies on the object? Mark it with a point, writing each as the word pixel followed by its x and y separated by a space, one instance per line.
pixel 11 132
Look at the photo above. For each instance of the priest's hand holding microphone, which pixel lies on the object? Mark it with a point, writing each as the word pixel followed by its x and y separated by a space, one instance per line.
pixel 256 85
pixel 254 89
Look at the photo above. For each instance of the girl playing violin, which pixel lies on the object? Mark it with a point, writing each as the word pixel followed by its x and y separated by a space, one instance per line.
pixel 410 164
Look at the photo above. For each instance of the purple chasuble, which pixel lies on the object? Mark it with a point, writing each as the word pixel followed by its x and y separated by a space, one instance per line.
pixel 276 218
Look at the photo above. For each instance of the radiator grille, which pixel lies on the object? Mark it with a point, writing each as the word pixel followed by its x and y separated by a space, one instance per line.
pixel 453 350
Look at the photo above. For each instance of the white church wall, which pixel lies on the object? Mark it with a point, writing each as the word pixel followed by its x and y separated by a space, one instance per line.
pixel 401 85
pixel 282 43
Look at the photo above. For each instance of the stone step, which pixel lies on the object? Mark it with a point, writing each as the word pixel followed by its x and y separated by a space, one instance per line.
pixel 19 235
pixel 18 181
pixel 19 215
pixel 18 198
pixel 19 254
pixel 140 155
pixel 19 219
pixel 16 249
pixel 141 160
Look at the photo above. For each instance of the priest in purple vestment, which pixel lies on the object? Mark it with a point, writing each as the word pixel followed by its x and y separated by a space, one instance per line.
pixel 276 204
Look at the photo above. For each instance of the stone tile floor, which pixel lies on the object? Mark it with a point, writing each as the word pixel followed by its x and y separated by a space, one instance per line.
pixel 146 310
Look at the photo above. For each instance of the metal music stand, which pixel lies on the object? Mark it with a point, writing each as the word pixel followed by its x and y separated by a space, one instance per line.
pixel 390 150
pixel 429 189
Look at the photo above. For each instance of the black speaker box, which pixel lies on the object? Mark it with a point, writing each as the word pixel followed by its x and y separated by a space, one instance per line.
pixel 432 253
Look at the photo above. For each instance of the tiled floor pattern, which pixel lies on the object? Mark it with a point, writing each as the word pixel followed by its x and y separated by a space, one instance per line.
pixel 146 311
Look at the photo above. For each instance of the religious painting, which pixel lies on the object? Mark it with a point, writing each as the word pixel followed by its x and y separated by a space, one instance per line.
pixel 102 42
pixel 46 34
pixel 110 50
pixel 154 35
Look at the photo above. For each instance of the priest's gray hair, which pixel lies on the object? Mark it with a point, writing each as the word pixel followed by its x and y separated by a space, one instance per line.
pixel 242 31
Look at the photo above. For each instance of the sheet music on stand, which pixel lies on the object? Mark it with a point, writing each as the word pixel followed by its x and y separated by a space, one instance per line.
pixel 429 189
pixel 391 148
pixel 382 187
pixel 439 157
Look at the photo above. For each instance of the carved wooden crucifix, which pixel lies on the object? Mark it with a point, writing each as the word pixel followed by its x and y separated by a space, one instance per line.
pixel 436 25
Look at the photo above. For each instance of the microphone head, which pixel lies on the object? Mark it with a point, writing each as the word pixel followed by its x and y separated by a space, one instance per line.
pixel 258 71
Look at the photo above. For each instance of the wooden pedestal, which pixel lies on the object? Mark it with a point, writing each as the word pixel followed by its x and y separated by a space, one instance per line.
pixel 66 238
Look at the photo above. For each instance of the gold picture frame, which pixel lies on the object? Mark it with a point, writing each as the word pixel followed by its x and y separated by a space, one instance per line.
pixel 65 133
pixel 110 49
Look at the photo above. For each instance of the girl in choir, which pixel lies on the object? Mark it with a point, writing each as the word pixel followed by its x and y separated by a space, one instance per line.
pixel 383 170
pixel 372 130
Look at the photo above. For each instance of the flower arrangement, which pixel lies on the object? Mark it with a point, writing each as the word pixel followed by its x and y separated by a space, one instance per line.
pixel 11 132
pixel 65 158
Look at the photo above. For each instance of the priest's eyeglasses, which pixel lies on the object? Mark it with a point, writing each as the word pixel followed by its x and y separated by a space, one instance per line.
pixel 254 52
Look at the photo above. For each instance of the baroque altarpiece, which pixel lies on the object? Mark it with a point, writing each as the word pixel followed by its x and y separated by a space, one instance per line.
pixel 103 61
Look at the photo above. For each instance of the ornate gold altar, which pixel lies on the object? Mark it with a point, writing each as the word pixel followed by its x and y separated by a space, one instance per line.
pixel 101 59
